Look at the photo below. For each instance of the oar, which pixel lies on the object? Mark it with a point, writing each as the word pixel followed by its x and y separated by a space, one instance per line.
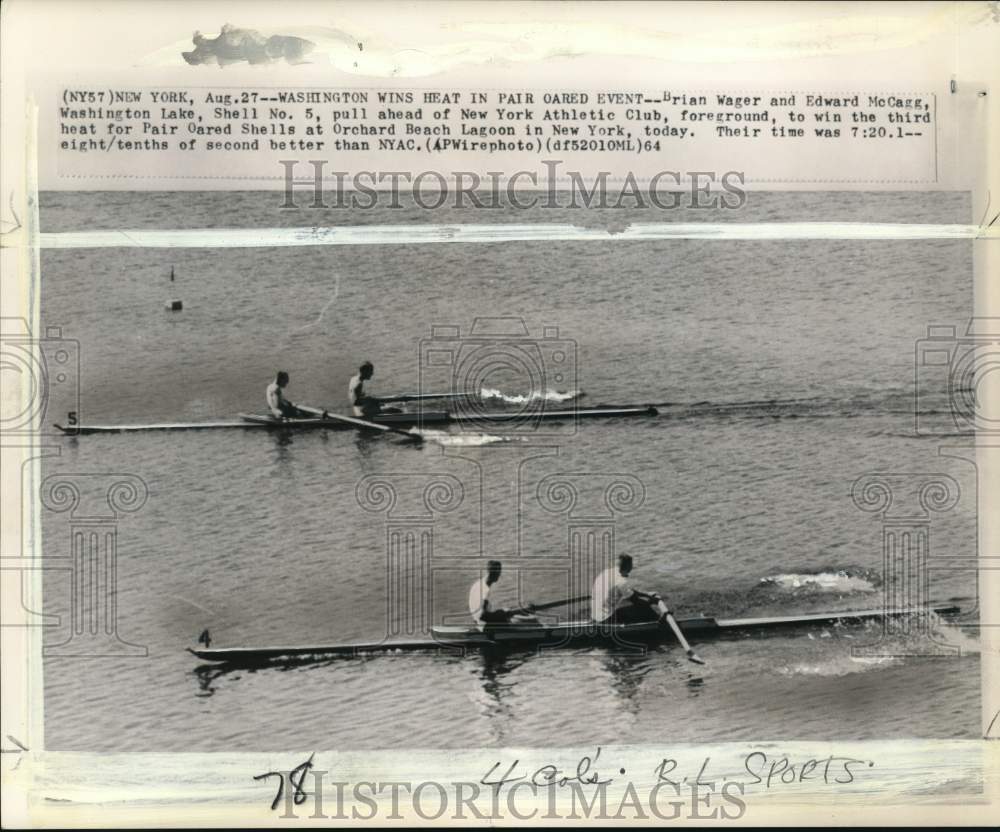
pixel 666 615
pixel 550 604
pixel 419 397
pixel 360 423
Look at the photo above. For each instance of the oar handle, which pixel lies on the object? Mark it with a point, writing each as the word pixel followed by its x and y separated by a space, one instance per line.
pixel 668 616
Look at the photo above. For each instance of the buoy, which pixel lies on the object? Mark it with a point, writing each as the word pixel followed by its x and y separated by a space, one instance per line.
pixel 175 305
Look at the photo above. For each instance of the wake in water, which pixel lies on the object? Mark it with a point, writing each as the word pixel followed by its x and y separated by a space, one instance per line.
pixel 442 437
pixel 932 414
pixel 829 588
pixel 948 638
pixel 840 581
pixel 558 396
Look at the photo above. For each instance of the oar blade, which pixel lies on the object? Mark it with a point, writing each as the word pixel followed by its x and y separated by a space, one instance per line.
pixel 668 616
pixel 411 435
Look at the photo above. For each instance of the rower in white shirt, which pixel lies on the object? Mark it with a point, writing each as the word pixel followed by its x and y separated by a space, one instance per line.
pixel 483 613
pixel 613 599
pixel 279 406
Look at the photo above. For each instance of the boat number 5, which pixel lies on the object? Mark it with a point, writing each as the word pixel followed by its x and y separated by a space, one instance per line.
pixel 71 417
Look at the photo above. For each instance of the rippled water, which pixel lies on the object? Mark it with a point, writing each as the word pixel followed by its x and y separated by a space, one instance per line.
pixel 783 371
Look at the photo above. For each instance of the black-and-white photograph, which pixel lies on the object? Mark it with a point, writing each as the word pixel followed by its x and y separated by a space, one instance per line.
pixel 464 420
pixel 488 489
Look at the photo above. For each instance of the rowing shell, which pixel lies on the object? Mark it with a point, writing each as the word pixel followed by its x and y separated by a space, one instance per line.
pixel 335 422
pixel 574 633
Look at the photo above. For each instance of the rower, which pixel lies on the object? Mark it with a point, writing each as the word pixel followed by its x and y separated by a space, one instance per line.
pixel 614 601
pixel 279 406
pixel 483 613
pixel 363 405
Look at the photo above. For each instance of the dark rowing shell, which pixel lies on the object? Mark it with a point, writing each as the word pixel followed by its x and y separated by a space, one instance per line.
pixel 576 633
pixel 335 422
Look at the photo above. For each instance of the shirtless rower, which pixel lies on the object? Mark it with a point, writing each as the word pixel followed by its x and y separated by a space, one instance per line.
pixel 279 406
pixel 614 601
pixel 362 405
pixel 482 611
